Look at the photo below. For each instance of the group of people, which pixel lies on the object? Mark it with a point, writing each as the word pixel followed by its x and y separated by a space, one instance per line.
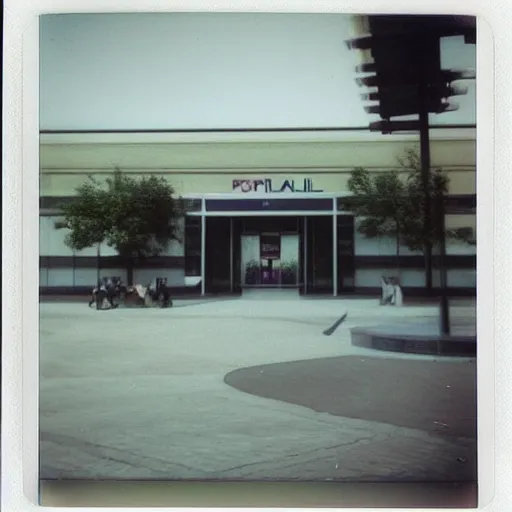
pixel 113 290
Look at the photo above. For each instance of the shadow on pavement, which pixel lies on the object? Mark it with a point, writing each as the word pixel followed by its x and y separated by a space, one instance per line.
pixel 434 396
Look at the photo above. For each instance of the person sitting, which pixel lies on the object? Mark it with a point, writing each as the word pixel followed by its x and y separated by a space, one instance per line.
pixel 391 291
pixel 159 291
pixel 108 288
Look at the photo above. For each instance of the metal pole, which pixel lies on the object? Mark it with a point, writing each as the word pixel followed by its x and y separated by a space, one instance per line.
pixel 313 266
pixel 74 269
pixel 297 273
pixel 425 171
pixel 334 250
pixel 98 264
pixel 445 307
pixel 231 253
pixel 203 250
pixel 305 255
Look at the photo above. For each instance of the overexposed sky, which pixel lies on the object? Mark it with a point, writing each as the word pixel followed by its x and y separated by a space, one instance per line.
pixel 200 71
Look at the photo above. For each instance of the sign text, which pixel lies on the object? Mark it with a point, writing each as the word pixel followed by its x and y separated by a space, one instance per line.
pixel 269 186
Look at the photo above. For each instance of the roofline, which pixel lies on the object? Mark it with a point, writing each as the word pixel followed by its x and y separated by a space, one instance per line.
pixel 263 135
pixel 245 130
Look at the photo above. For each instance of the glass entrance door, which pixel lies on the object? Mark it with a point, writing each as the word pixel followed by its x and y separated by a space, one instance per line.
pixel 270 260
pixel 289 263
pixel 250 264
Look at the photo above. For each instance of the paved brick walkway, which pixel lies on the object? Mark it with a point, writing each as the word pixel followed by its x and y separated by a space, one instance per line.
pixel 140 393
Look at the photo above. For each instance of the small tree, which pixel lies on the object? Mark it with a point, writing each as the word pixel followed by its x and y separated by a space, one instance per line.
pixel 138 218
pixel 86 218
pixel 380 202
pixel 417 236
pixel 392 206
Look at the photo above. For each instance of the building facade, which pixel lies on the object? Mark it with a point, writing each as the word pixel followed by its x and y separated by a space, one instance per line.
pixel 262 209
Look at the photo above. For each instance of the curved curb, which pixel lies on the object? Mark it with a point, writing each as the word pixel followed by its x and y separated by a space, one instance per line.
pixel 377 339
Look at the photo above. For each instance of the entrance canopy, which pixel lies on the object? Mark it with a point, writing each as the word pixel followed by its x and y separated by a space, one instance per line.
pixel 240 205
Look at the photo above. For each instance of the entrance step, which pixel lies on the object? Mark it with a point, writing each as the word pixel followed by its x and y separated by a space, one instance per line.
pixel 270 293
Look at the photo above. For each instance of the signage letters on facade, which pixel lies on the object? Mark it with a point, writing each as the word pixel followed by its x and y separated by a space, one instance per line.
pixel 269 186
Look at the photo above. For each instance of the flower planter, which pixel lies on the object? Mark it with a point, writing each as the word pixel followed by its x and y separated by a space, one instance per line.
pixel 252 271
pixel 289 273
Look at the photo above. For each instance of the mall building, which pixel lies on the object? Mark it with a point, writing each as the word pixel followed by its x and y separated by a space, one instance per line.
pixel 263 209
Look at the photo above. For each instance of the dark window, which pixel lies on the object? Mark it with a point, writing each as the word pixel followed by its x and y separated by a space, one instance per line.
pixel 278 224
pixel 346 263
pixel 192 246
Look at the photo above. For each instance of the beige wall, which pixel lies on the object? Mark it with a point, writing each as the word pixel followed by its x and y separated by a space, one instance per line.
pixel 215 156
pixel 196 166
pixel 63 183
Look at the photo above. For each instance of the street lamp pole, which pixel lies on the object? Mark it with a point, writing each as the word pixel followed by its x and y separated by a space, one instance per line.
pixel 445 309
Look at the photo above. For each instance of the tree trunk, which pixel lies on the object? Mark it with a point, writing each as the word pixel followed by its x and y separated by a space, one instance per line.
pixel 428 268
pixel 398 253
pixel 129 273
pixel 98 264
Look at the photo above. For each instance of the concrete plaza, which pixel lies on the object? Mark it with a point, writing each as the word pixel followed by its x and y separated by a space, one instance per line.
pixel 141 393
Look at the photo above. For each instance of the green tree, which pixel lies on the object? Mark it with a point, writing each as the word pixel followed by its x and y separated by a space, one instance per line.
pixel 416 235
pixel 85 218
pixel 390 205
pixel 380 202
pixel 136 217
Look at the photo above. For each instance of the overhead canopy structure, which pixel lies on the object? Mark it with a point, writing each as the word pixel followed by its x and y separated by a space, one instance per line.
pixel 401 61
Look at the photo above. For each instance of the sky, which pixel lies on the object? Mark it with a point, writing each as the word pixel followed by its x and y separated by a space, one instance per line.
pixel 209 70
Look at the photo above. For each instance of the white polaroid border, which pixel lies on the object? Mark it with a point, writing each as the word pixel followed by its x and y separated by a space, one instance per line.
pixel 20 478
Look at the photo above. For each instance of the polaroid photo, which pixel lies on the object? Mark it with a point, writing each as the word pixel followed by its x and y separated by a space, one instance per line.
pixel 254 235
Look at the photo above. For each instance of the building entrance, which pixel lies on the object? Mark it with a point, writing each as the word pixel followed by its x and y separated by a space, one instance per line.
pixel 270 259
pixel 309 253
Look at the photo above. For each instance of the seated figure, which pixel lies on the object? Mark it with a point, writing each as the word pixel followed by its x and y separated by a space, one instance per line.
pixel 154 293
pixel 159 291
pixel 391 291
pixel 109 288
